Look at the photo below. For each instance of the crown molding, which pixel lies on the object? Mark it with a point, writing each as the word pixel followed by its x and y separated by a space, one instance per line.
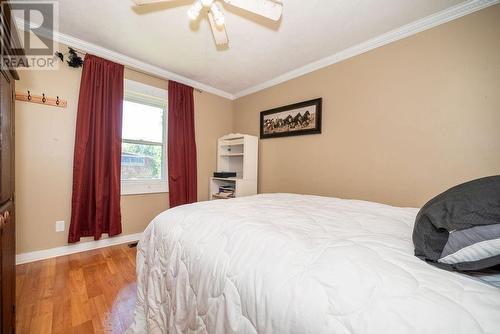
pixel 407 30
pixel 130 62
pixel 138 64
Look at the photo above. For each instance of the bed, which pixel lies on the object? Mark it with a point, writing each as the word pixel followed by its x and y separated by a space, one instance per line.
pixel 286 263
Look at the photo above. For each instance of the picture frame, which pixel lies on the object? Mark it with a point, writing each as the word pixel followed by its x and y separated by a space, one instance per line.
pixel 303 118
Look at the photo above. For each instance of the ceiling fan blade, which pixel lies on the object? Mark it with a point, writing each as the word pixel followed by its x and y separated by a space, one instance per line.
pixel 219 32
pixel 149 2
pixel 267 8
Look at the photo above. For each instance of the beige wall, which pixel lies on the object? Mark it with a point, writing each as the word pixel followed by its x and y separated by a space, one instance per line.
pixel 44 157
pixel 400 123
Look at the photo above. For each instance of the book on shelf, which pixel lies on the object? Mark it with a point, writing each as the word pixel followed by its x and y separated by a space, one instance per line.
pixel 223 195
pixel 226 189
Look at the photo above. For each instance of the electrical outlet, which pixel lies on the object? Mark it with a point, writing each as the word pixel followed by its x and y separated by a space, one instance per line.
pixel 60 226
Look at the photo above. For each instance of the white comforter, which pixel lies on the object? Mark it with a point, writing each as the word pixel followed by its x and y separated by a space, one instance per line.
pixel 283 263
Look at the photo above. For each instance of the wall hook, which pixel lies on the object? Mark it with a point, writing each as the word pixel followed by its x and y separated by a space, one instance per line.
pixel 42 99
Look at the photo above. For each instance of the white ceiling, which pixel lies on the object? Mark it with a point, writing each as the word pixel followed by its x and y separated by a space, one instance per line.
pixel 259 50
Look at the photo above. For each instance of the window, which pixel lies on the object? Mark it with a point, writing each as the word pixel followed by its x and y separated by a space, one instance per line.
pixel 143 161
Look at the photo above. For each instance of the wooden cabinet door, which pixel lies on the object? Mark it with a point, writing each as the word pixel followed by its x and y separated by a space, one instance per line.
pixel 7 228
pixel 8 267
pixel 7 219
pixel 6 139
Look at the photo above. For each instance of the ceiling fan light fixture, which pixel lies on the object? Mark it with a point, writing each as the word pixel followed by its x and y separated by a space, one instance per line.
pixel 270 9
pixel 218 15
pixel 194 11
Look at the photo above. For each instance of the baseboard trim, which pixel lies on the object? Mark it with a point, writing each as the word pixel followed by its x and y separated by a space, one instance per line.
pixel 75 248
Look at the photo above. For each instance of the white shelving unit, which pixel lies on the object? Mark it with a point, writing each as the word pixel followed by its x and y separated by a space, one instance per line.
pixel 238 153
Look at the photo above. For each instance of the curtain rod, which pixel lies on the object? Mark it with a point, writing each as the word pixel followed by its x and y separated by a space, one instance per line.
pixel 131 68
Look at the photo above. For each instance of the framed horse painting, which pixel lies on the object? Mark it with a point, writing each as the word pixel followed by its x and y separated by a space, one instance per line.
pixel 297 119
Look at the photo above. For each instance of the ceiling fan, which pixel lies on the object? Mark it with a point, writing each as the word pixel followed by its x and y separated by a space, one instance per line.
pixel 270 9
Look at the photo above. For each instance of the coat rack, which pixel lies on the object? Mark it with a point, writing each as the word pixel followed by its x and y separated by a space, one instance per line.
pixel 50 101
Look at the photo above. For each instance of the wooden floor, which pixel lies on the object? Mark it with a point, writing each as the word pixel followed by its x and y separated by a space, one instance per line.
pixel 89 292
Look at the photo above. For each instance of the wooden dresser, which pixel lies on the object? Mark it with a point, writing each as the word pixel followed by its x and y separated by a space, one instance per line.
pixel 7 207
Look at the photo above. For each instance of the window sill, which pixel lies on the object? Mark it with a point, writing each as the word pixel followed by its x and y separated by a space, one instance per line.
pixel 143 187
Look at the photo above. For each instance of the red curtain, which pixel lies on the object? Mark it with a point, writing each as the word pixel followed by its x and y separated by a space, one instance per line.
pixel 181 145
pixel 95 207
